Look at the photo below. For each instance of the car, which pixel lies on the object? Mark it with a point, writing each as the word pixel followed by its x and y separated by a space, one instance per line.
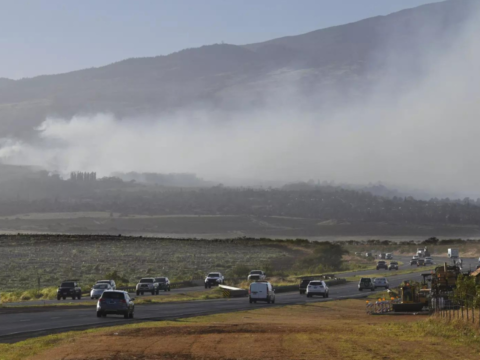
pixel 368 254
pixel 163 284
pixel 382 265
pixel 420 262
pixel 415 257
pixel 317 287
pixel 116 302
pixel 261 291
pixel 69 288
pixel 98 289
pixel 366 284
pixel 146 285
pixel 389 256
pixel 428 261
pixel 413 262
pixel 112 284
pixel 393 265
pixel 380 282
pixel 382 255
pixel 302 288
pixel 256 275
pixel 214 279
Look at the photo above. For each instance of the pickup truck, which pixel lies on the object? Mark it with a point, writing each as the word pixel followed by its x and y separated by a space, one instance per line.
pixel 214 279
pixel 69 288
pixel 256 275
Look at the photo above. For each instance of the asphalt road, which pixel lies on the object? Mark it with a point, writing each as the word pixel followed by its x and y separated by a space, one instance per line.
pixel 19 326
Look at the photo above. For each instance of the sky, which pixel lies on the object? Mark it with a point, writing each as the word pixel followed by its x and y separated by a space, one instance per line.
pixel 40 37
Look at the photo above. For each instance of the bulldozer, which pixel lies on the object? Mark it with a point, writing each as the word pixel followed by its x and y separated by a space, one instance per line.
pixel 412 297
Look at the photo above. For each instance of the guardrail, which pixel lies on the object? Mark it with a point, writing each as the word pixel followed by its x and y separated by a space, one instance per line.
pixel 381 306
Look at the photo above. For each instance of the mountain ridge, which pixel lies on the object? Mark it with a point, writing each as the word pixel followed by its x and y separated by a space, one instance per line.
pixel 342 60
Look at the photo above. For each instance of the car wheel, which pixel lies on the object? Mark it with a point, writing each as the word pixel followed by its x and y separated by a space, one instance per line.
pixel 99 314
pixel 328 295
pixel 273 301
pixel 64 298
pixel 80 297
pixel 268 301
pixel 104 315
pixel 169 288
pixel 138 293
pixel 372 289
pixel 58 298
pixel 131 315
pixel 324 295
pixel 309 295
pixel 141 293
pixel 91 297
pixel 153 292
pixel 250 300
pixel 165 290
pixel 126 315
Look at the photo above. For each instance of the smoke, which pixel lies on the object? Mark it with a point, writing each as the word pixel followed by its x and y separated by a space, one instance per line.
pixel 425 135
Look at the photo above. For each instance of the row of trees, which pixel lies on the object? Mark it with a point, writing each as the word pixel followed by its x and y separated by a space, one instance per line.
pixel 321 203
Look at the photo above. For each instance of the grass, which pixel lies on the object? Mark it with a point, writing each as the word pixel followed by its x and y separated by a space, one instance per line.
pixel 292 332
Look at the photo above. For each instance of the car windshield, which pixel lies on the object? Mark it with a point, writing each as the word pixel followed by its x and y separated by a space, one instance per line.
pixel 146 281
pixel 68 285
pixel 113 295
pixel 213 275
pixel 161 280
pixel 316 283
pixel 381 262
pixel 380 279
pixel 393 263
pixel 256 272
pixel 100 286
pixel 365 280
pixel 103 282
pixel 305 282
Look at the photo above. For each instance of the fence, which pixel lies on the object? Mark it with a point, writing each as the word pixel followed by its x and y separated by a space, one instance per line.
pixel 450 307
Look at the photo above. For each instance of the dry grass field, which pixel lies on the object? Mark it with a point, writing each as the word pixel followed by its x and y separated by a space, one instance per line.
pixel 333 330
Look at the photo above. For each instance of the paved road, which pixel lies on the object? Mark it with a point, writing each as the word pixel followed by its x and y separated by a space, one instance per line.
pixel 87 299
pixel 14 327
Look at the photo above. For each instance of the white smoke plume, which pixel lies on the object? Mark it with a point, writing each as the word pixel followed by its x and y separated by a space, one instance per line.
pixel 428 137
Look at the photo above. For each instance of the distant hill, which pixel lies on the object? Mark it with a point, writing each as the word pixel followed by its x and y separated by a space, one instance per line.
pixel 344 60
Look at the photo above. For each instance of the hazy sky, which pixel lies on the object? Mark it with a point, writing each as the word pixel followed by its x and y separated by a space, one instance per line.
pixel 53 36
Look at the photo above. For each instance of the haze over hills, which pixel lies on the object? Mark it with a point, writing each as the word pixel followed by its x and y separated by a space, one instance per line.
pixel 386 99
pixel 321 64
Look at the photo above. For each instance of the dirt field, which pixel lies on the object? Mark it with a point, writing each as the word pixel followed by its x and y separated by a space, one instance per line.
pixel 334 330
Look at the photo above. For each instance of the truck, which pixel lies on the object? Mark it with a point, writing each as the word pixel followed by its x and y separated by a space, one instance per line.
pixel 453 253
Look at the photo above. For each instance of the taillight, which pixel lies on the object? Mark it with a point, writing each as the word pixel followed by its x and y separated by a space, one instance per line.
pixel 123 301
pixel 102 300
pixel 249 291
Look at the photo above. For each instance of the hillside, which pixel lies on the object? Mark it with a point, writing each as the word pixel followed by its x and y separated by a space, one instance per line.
pixel 322 64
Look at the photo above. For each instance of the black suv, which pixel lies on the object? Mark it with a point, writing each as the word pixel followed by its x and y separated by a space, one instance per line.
pixel 302 288
pixel 69 288
pixel 382 265
pixel 163 284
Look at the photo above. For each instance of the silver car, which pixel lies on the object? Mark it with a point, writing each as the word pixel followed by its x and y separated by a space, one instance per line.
pixel 112 284
pixel 115 302
pixel 98 289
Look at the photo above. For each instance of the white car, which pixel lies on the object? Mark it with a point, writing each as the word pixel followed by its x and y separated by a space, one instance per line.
pixel 112 284
pixel 256 275
pixel 214 279
pixel 261 291
pixel 415 257
pixel 98 289
pixel 317 287
pixel 381 282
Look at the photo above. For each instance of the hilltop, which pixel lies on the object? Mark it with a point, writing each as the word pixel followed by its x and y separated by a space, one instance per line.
pixel 341 61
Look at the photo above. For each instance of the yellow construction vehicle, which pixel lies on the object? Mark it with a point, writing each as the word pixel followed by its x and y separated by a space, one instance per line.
pixel 412 297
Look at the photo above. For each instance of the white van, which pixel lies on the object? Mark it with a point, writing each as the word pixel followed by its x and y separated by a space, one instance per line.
pixel 261 291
